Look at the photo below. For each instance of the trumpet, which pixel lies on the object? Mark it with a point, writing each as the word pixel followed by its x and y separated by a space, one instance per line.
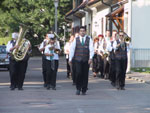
pixel 127 39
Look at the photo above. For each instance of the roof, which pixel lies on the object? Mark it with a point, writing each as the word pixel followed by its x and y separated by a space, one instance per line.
pixel 91 2
pixel 117 11
pixel 81 6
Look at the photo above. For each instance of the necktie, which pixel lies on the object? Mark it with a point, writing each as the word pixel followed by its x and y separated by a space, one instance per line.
pixel 51 57
pixel 82 41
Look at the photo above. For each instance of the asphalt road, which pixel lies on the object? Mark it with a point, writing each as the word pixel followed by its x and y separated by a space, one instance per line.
pixel 101 96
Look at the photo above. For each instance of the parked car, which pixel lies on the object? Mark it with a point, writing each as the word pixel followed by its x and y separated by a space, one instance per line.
pixel 4 59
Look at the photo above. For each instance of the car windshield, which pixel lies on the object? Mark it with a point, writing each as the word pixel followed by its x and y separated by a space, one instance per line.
pixel 2 49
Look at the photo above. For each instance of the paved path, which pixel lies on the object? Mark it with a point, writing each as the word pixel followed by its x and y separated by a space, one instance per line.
pixel 101 96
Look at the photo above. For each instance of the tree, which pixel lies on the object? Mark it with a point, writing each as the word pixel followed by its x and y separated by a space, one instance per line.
pixel 38 14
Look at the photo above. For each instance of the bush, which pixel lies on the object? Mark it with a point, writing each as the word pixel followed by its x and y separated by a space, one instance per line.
pixel 4 40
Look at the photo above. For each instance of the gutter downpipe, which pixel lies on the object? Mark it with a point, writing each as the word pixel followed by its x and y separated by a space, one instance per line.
pixel 110 23
pixel 131 53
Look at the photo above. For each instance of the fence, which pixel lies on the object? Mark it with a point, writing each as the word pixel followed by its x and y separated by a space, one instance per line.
pixel 140 57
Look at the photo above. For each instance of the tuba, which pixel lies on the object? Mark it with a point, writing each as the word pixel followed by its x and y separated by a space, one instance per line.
pixel 24 44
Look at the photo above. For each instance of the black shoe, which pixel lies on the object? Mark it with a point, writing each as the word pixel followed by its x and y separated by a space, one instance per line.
pixel 113 84
pixel 48 87
pixel 12 88
pixel 53 88
pixel 102 77
pixel 122 88
pixel 78 92
pixel 83 93
pixel 20 88
pixel 74 84
pixel 119 88
pixel 68 77
pixel 16 86
pixel 45 85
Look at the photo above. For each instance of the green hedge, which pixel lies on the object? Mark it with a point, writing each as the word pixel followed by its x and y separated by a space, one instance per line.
pixel 4 40
pixel 141 69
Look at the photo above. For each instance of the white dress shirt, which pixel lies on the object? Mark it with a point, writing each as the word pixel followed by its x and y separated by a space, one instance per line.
pixel 73 47
pixel 115 46
pixel 42 44
pixel 9 46
pixel 108 47
pixel 67 48
pixel 56 56
pixel 96 46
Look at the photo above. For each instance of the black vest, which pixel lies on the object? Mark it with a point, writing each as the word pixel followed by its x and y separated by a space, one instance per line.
pixel 82 51
pixel 120 53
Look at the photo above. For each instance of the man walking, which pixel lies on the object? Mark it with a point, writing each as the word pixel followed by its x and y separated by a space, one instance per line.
pixel 121 48
pixel 82 50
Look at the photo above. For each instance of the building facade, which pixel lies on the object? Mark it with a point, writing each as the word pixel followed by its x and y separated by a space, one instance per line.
pixel 130 16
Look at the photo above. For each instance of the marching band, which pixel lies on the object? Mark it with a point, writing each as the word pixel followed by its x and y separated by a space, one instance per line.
pixel 108 55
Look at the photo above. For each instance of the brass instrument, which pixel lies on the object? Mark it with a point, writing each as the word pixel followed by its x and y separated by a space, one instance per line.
pixel 52 47
pixel 56 35
pixel 127 39
pixel 24 44
pixel 105 54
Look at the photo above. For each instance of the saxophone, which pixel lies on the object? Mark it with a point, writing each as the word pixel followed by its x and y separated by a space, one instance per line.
pixel 24 44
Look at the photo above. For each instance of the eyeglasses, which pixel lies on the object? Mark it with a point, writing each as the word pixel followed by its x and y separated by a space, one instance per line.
pixel 120 35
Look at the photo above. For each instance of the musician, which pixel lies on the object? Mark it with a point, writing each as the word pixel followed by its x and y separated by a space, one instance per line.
pixel 95 68
pixel 66 50
pixel 42 49
pixel 121 49
pixel 107 36
pixel 100 57
pixel 12 65
pixel 82 50
pixel 17 68
pixel 106 48
pixel 72 65
pixel 112 71
pixel 51 52
pixel 106 58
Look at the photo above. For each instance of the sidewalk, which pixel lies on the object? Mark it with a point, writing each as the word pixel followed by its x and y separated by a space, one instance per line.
pixel 141 77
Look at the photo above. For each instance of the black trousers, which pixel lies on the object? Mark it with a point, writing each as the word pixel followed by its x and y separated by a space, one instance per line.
pixel 21 67
pixel 112 70
pixel 106 68
pixel 51 72
pixel 17 72
pixel 121 66
pixel 44 68
pixel 95 67
pixel 101 65
pixel 82 71
pixel 68 68
pixel 13 72
pixel 73 71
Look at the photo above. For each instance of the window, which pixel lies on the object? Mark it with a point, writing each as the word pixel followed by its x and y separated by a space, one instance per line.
pixel 2 49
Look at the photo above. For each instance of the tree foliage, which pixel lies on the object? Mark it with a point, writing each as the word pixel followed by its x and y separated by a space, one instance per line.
pixel 38 14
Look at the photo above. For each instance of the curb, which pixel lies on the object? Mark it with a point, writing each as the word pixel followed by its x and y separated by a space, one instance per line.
pixel 137 79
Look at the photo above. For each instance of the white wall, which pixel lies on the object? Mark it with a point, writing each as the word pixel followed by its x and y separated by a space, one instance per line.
pixel 97 22
pixel 76 22
pixel 141 24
